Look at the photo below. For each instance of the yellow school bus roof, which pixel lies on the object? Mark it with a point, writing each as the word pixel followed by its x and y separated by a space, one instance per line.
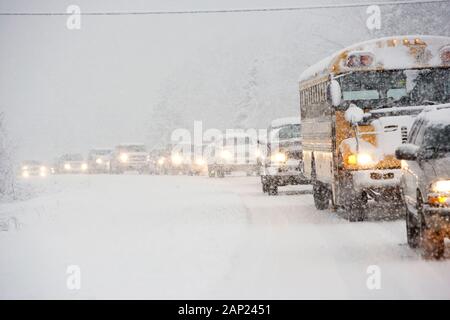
pixel 390 53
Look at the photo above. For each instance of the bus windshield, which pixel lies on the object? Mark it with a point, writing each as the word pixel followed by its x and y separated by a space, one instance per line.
pixel 412 87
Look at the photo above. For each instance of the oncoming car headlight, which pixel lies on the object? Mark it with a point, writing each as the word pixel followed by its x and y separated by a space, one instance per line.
pixel 99 161
pixel 440 195
pixel 441 186
pixel 279 157
pixel 67 166
pixel 123 157
pixel 200 162
pixel 176 159
pixel 225 154
pixel 43 171
pixel 84 166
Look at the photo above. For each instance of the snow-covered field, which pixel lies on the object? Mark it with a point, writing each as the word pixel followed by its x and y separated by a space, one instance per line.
pixel 177 237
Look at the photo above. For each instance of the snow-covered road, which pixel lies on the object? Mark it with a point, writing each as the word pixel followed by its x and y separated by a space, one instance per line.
pixel 167 237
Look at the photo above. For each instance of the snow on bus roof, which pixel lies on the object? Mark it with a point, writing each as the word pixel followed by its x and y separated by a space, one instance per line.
pixel 284 121
pixel 389 53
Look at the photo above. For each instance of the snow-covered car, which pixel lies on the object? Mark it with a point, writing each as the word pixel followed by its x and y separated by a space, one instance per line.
pixel 33 168
pixel 283 163
pixel 130 157
pixel 99 160
pixel 426 181
pixel 236 152
pixel 71 163
pixel 161 159
pixel 183 160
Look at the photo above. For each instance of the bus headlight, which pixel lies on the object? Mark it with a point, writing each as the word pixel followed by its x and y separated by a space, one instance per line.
pixel 84 167
pixel 67 166
pixel 123 157
pixel 99 161
pixel 362 159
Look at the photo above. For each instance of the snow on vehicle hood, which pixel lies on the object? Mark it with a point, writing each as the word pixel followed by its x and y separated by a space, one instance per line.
pixel 392 132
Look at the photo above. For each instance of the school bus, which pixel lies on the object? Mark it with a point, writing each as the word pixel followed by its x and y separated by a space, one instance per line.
pixel 357 106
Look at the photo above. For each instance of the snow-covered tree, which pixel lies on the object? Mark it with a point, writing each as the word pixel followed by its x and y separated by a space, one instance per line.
pixel 164 117
pixel 6 171
pixel 248 104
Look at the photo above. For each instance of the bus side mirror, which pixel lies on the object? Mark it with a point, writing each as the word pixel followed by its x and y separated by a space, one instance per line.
pixel 353 114
pixel 334 93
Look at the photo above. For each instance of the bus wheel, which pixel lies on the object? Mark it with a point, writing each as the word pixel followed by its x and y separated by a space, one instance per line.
pixel 272 190
pixel 412 229
pixel 321 196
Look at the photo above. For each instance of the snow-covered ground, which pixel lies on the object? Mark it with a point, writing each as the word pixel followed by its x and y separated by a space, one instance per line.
pixel 177 237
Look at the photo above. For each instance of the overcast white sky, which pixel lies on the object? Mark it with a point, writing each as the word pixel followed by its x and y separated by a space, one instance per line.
pixel 68 91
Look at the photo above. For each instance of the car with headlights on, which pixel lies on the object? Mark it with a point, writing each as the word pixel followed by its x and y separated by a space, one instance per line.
pixel 130 157
pixel 283 163
pixel 237 151
pixel 33 168
pixel 71 163
pixel 425 181
pixel 99 160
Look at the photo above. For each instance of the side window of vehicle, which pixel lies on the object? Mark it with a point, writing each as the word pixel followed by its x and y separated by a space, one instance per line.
pixel 420 133
pixel 414 129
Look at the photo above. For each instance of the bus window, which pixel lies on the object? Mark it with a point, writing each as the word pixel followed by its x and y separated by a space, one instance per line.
pixel 361 95
pixel 396 93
